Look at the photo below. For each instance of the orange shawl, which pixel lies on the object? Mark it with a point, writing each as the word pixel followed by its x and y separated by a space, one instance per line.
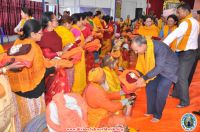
pixel 27 79
pixel 92 46
pixel 183 43
pixel 149 31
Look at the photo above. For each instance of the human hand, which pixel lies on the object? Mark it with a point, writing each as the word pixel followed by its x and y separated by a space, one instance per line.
pixel 140 82
pixel 59 53
pixel 15 65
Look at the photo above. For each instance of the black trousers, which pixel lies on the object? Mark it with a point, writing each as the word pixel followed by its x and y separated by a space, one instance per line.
pixel 157 92
pixel 181 89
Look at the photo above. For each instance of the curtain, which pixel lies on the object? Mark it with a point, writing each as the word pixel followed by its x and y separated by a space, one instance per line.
pixel 9 14
pixel 156 7
pixel 10 11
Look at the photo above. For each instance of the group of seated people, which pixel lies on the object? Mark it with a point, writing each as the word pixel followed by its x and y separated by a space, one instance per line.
pixel 74 70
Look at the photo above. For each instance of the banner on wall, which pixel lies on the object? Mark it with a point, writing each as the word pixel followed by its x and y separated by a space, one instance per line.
pixel 105 11
pixel 118 8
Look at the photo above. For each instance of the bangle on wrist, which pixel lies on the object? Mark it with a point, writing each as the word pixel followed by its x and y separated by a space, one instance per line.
pixel 4 69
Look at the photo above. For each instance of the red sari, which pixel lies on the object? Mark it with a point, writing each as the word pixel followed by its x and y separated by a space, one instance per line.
pixel 89 56
pixel 107 39
pixel 51 43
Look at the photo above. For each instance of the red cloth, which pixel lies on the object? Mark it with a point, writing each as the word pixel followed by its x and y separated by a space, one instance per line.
pixel 87 31
pixel 56 84
pixel 108 34
pixel 90 61
pixel 125 55
pixel 51 40
pixel 89 26
pixel 48 53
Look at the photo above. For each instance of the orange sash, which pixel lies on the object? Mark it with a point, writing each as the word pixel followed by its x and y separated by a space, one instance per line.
pixel 183 43
pixel 92 46
pixel 149 31
pixel 74 55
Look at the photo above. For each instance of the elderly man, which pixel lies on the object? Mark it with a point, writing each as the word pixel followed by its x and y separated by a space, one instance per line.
pixel 158 66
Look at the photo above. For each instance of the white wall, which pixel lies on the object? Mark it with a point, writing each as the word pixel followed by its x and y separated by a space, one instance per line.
pixel 75 5
pixel 50 1
pixel 129 6
pixel 72 5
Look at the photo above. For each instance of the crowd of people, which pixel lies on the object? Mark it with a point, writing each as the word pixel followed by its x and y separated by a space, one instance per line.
pixel 76 72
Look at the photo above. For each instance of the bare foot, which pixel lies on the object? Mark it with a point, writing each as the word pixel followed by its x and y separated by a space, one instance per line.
pixel 148 115
pixel 155 120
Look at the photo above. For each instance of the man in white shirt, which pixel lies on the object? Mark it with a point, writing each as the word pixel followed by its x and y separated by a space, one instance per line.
pixel 187 43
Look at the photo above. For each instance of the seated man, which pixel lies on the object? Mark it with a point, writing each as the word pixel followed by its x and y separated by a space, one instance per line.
pixel 103 111
pixel 111 78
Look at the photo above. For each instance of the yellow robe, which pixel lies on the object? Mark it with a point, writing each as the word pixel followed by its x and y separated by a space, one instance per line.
pixel 80 70
pixel 66 35
pixel 149 31
pixel 112 79
pixel 146 62
pixel 79 75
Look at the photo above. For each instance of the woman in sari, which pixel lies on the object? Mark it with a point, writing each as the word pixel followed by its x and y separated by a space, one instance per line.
pixel 7 110
pixel 64 31
pixel 28 83
pixel 87 33
pixel 86 28
pixel 50 43
pixel 107 36
pixel 25 15
pixel 97 20
pixel 80 67
pixel 76 29
pixel 103 111
pixel 149 29
pixel 172 23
